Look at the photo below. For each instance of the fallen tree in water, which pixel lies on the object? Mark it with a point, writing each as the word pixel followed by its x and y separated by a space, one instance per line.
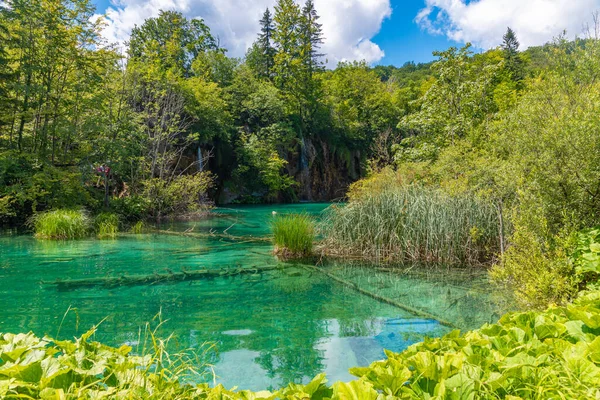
pixel 169 276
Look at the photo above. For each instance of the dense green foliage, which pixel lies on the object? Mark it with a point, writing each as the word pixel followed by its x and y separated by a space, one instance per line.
pixel 61 224
pixel 293 235
pixel 533 355
pixel 413 224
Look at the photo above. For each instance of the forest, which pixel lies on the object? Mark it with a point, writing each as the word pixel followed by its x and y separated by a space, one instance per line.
pixel 480 159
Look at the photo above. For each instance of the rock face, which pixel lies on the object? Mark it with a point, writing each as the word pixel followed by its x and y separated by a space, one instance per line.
pixel 324 173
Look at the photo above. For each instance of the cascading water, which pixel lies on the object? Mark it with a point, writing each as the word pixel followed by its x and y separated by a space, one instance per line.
pixel 304 171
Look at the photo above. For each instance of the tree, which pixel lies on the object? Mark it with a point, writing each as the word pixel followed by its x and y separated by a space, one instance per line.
pixel 265 47
pixel 311 39
pixel 172 38
pixel 513 62
pixel 286 38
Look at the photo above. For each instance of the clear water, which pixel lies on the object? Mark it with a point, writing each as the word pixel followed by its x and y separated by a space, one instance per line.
pixel 270 328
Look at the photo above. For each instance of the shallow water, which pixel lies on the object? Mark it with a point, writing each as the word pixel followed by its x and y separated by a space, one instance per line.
pixel 269 328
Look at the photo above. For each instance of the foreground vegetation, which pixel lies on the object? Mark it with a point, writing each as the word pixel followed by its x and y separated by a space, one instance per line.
pixel 532 355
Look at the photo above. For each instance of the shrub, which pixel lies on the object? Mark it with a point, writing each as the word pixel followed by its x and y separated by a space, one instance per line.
pixel 537 271
pixel 107 226
pixel 28 186
pixel 413 223
pixel 293 235
pixel 61 224
pixel 186 194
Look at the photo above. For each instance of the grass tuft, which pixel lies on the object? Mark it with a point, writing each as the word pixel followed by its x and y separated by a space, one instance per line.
pixel 138 228
pixel 61 224
pixel 293 235
pixel 107 226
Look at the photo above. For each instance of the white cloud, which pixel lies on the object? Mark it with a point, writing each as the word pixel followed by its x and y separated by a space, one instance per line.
pixel 483 22
pixel 348 25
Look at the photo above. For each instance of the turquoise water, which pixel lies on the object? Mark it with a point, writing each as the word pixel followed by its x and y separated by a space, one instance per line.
pixel 269 328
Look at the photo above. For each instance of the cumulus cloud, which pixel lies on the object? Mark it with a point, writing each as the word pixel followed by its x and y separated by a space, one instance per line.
pixel 483 22
pixel 348 25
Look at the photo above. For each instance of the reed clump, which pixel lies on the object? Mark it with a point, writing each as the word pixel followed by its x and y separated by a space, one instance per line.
pixel 293 235
pixel 138 228
pixel 61 224
pixel 412 224
pixel 107 226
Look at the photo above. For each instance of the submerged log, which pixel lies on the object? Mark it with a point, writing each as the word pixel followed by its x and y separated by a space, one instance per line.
pixel 412 310
pixel 133 280
pixel 214 235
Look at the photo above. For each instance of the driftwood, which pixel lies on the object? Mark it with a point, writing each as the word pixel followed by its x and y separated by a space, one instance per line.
pixel 412 310
pixel 156 278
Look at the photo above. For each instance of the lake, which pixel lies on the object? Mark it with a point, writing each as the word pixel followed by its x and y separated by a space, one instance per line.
pixel 268 328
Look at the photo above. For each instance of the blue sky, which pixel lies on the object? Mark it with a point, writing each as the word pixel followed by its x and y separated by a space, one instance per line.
pixel 402 39
pixel 378 31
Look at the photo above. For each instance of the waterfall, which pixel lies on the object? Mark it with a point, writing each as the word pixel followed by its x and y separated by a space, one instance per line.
pixel 200 160
pixel 303 155
pixel 305 181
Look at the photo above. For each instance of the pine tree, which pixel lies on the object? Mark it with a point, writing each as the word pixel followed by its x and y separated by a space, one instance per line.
pixel 286 38
pixel 265 47
pixel 311 38
pixel 512 58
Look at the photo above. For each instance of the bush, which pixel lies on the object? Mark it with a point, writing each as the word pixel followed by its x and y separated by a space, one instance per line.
pixel 61 224
pixel 107 225
pixel 186 194
pixel 28 186
pixel 413 223
pixel 536 271
pixel 293 235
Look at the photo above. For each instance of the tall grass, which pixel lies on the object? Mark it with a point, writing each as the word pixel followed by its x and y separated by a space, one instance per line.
pixel 61 224
pixel 293 235
pixel 107 226
pixel 413 223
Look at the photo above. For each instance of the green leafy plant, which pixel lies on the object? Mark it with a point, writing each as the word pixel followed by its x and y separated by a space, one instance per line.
pixel 586 255
pixel 61 224
pixel 293 235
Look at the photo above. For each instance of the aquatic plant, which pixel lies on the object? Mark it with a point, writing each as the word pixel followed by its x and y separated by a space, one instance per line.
pixel 138 228
pixel 107 226
pixel 413 223
pixel 61 224
pixel 293 235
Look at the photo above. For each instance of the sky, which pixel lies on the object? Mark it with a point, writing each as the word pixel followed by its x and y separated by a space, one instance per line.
pixel 386 32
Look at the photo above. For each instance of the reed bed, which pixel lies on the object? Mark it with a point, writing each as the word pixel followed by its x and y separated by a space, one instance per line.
pixel 61 224
pixel 413 224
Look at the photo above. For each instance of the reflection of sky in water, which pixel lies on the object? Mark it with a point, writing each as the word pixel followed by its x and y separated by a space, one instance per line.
pixel 269 328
